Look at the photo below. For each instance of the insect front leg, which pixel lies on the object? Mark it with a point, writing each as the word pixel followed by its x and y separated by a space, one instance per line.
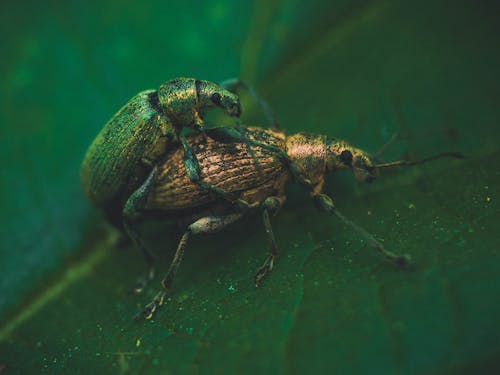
pixel 271 205
pixel 208 224
pixel 132 216
pixel 325 203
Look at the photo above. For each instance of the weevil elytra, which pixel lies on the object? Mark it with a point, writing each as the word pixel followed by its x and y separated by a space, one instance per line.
pixel 141 132
pixel 251 173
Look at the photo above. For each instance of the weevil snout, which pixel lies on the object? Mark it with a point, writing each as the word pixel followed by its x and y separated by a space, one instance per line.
pixel 363 168
pixel 212 95
pixel 228 102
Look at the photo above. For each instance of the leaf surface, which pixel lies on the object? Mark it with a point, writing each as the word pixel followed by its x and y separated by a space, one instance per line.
pixel 360 71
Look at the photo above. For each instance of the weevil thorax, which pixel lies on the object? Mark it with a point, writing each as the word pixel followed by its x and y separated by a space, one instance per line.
pixel 341 155
pixel 183 100
pixel 309 152
pixel 177 99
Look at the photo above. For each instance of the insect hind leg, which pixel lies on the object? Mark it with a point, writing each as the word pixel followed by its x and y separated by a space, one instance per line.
pixel 208 224
pixel 271 205
pixel 132 216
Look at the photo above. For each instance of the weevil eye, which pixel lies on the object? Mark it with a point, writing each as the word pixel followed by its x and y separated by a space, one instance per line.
pixel 216 99
pixel 346 157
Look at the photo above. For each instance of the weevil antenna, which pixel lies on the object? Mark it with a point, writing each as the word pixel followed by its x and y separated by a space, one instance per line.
pixel 387 144
pixel 407 163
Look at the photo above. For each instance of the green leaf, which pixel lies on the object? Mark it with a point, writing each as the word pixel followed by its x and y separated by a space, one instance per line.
pixel 360 71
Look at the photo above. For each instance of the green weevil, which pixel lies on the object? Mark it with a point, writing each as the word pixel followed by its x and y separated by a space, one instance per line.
pixel 141 132
pixel 254 174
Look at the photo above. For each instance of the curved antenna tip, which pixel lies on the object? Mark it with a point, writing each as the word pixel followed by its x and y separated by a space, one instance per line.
pixel 407 163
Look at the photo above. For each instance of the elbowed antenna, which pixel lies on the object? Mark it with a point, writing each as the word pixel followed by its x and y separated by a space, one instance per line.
pixel 407 163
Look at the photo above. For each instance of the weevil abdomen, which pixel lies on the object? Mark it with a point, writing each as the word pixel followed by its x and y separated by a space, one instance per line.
pixel 249 172
pixel 120 157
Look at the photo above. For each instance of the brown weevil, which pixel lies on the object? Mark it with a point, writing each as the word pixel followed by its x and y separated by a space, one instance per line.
pixel 252 174
pixel 128 147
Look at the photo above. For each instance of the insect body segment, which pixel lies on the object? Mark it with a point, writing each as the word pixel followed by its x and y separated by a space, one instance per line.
pixel 318 154
pixel 183 99
pixel 141 164
pixel 123 154
pixel 119 158
pixel 244 173
pixel 255 174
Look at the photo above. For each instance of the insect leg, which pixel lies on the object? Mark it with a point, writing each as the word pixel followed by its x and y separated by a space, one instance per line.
pixel 132 215
pixel 385 146
pixel 270 205
pixel 325 203
pixel 208 224
pixel 235 83
pixel 193 171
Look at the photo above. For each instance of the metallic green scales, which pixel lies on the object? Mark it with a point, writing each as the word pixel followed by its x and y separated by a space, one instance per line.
pixel 121 155
pixel 128 147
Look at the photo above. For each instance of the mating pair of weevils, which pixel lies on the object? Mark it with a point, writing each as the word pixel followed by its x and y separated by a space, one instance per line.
pixel 141 163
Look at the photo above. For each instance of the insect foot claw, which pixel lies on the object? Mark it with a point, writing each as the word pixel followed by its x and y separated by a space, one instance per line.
pixel 403 260
pixel 149 310
pixel 259 276
pixel 264 270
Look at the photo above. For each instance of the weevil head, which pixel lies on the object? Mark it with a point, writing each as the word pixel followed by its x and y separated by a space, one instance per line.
pixel 184 99
pixel 228 102
pixel 212 95
pixel 341 155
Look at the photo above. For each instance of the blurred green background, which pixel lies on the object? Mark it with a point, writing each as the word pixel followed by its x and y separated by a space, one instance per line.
pixel 358 70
